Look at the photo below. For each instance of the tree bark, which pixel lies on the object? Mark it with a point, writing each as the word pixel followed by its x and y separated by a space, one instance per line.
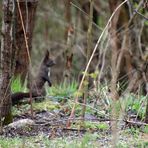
pixel 28 10
pixel 6 51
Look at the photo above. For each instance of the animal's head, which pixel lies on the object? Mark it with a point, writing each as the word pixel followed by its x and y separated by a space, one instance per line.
pixel 48 61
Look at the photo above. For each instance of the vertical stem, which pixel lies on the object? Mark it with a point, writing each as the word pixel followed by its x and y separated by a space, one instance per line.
pixel 88 53
pixel 68 56
pixel 89 32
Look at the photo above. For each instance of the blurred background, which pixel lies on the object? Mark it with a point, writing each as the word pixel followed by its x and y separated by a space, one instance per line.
pixel 70 30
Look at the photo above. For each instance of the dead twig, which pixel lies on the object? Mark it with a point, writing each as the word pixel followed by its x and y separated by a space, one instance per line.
pixel 144 17
pixel 135 123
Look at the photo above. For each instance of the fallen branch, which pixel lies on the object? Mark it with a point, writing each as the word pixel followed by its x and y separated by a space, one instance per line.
pixel 74 129
pixel 135 123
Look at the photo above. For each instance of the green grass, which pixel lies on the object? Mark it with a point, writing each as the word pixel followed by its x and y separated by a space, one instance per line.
pixel 46 105
pixel 10 142
pixel 88 140
pixel 63 90
pixel 16 85
pixel 132 104
pixel 96 126
pixel 135 105
pixel 145 130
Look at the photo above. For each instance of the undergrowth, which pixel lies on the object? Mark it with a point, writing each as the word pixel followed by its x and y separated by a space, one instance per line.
pixel 61 91
pixel 132 105
pixel 16 85
pixel 88 140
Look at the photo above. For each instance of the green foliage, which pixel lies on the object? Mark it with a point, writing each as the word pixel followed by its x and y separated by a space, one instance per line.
pixel 133 131
pixel 78 94
pixel 136 105
pixel 92 125
pixel 16 85
pixel 22 109
pixel 131 103
pixel 146 23
pixel 117 107
pixel 10 142
pixel 91 75
pixel 145 129
pixel 46 105
pixel 94 74
pixel 63 90
pixel 103 126
pixel 136 144
pixel 122 144
pixel 87 141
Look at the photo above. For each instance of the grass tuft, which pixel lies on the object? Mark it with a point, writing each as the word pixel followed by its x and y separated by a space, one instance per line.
pixel 16 85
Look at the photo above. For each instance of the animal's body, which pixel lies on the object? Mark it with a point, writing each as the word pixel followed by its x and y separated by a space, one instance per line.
pixel 36 87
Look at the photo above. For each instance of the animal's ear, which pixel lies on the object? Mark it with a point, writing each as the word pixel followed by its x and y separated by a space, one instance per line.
pixel 47 55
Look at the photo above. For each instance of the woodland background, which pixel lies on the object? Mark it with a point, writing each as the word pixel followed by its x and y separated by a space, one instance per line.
pixel 97 44
pixel 62 27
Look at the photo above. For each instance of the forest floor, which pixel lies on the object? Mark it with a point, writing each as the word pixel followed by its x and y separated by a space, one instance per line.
pixel 49 128
pixel 45 127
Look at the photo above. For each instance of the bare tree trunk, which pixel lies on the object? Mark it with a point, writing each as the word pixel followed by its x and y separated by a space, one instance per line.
pixel 28 10
pixel 68 55
pixel 6 49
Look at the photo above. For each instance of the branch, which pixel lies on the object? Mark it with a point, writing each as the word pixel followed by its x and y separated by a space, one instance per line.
pixel 134 123
pixel 141 15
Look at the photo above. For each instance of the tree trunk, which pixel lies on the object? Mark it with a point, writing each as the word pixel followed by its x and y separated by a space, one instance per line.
pixel 27 12
pixel 115 49
pixel 6 50
pixel 69 36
